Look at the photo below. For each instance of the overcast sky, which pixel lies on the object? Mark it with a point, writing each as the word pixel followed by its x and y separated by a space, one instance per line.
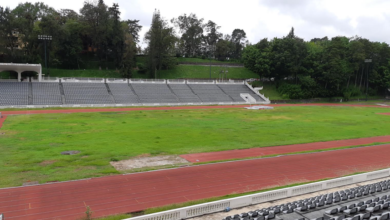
pixel 263 18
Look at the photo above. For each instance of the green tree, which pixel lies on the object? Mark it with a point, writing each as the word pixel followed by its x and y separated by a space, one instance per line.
pixel 116 35
pixel 128 59
pixel 222 49
pixel 212 36
pixel 8 39
pixel 238 38
pixel 161 44
pixel 191 28
pixel 95 18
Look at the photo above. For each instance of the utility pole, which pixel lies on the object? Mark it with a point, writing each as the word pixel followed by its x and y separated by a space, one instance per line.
pixel 45 38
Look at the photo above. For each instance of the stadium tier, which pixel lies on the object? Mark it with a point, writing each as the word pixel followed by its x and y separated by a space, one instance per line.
pixel 368 202
pixel 84 93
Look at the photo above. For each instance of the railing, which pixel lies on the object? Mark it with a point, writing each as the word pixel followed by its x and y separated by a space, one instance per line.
pixel 257 92
pixel 47 79
pixel 218 206
pixel 190 81
pixel 19 64
pixel 176 81
pixel 160 81
pixel 116 80
pixel 242 82
pixel 80 79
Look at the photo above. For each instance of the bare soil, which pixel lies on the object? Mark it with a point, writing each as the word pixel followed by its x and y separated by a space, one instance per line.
pixel 144 162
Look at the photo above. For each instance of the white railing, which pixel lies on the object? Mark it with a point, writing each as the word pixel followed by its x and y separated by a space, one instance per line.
pixel 196 81
pixel 242 82
pixel 257 92
pixel 19 64
pixel 159 81
pixel 176 81
pixel 132 105
pixel 221 205
pixel 115 80
pixel 80 79
pixel 47 79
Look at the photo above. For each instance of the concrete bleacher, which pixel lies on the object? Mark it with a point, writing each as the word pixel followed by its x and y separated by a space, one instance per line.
pixel 46 94
pixel 86 93
pixel 122 93
pixel 367 202
pixel 133 93
pixel 184 93
pixel 14 93
pixel 154 93
pixel 235 91
pixel 210 93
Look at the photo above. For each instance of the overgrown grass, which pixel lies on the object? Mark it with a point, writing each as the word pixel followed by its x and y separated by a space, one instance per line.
pixel 31 144
pixel 188 71
pixel 115 217
pixel 83 73
pixel 206 60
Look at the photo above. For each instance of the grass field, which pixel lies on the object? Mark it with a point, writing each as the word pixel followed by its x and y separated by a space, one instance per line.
pixel 31 144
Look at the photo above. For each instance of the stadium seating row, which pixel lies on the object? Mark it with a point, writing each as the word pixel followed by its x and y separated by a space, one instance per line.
pixel 51 93
pixel 360 203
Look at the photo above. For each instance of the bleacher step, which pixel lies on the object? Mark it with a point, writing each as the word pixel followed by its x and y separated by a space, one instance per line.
pixel 132 89
pixel 225 93
pixel 177 98
pixel 30 94
pixel 109 92
pixel 62 93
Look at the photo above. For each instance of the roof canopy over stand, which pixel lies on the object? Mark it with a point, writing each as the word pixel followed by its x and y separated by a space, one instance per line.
pixel 21 67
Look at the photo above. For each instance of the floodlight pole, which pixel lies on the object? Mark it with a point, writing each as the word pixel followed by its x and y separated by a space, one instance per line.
pixel 368 61
pixel 45 38
pixel 210 60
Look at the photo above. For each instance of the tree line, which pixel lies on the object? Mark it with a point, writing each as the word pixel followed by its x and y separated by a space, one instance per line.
pixel 321 67
pixel 97 33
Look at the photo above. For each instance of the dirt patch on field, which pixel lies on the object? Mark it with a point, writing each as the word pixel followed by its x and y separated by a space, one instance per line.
pixel 144 162
pixel 47 162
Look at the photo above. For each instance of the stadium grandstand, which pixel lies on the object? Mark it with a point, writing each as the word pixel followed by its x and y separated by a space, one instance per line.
pixel 369 202
pixel 73 91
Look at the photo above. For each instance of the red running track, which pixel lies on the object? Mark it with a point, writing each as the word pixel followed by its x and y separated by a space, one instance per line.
pixel 2 119
pixel 135 192
pixel 24 112
pixel 277 150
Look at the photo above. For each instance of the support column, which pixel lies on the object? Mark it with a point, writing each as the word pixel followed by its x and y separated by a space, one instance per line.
pixel 40 75
pixel 19 76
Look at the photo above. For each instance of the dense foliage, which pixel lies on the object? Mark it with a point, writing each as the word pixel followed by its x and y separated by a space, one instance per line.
pixel 96 33
pixel 321 67
pixel 96 37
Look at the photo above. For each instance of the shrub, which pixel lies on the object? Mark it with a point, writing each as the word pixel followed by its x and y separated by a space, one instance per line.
pixel 291 91
pixel 141 68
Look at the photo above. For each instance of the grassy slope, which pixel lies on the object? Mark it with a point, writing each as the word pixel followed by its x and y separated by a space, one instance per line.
pixel 199 60
pixel 32 144
pixel 269 90
pixel 184 71
pixel 181 71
